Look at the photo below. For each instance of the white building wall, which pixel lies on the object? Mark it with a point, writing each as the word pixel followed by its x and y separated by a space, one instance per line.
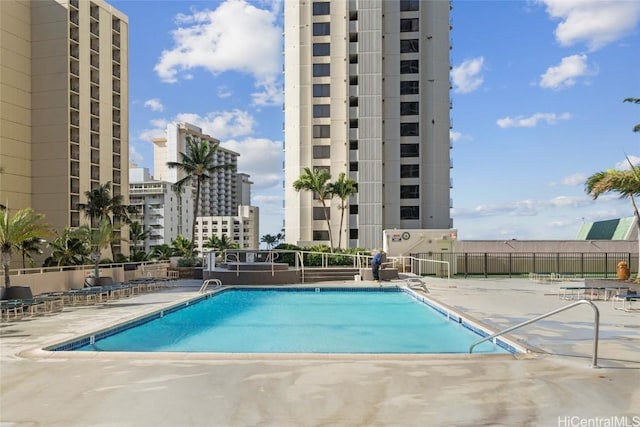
pixel 365 117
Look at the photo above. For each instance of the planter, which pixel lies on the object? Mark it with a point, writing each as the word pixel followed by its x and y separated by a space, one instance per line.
pixel 623 273
pixel 17 292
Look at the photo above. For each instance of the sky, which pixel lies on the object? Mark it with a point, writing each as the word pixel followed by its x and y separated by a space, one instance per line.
pixel 538 90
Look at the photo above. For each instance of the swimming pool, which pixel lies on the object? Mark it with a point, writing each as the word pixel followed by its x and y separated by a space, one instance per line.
pixel 297 320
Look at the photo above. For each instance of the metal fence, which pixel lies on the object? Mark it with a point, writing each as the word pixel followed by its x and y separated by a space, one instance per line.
pixel 518 264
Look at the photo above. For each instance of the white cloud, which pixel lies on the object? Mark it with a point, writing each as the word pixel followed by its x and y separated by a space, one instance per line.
pixel 224 91
pixel 135 157
pixel 261 158
pixel 575 179
pixel 594 22
pixel 565 74
pixel 570 180
pixel 532 121
pixel 624 164
pixel 530 207
pixel 221 125
pixel 455 136
pixel 236 36
pixel 467 77
pixel 154 105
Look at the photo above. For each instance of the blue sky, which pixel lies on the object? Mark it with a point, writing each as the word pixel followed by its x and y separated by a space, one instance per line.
pixel 537 102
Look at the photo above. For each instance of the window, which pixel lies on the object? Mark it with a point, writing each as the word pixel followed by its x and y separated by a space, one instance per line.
pixel 353 209
pixel 321 28
pixel 320 235
pixel 409 5
pixel 409 108
pixel 353 144
pixel 409 67
pixel 409 191
pixel 409 25
pixel 321 70
pixel 353 166
pixel 409 150
pixel 409 129
pixel 409 46
pixel 321 110
pixel 321 151
pixel 353 233
pixel 411 87
pixel 321 49
pixel 321 90
pixel 321 131
pixel 321 8
pixel 409 171
pixel 318 213
pixel 409 212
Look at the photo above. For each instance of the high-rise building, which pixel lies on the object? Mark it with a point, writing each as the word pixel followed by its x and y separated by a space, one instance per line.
pixel 224 198
pixel 161 213
pixel 219 193
pixel 367 94
pixel 64 105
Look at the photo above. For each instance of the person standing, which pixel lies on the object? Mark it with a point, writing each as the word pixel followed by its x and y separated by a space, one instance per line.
pixel 376 261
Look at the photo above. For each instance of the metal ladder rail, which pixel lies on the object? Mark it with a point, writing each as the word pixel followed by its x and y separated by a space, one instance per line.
pixel 596 323
pixel 206 283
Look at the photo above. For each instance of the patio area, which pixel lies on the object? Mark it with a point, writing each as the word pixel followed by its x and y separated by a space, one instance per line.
pixel 345 390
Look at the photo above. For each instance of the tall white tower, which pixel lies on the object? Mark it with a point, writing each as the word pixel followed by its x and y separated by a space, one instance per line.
pixel 367 94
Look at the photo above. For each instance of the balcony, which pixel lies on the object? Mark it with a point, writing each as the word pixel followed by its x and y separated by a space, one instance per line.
pixel 95 157
pixel 115 55
pixel 95 140
pixel 115 24
pixel 94 28
pixel 95 124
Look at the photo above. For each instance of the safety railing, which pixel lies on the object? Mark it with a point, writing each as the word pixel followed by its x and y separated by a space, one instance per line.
pixel 206 283
pixel 596 328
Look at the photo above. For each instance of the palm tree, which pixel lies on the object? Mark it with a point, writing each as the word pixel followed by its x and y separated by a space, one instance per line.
pixel 270 240
pixel 198 164
pixel 343 188
pixel 137 233
pixel 220 244
pixel 67 249
pixel 316 181
pixel 102 206
pixel 23 225
pixel 28 247
pixel 182 246
pixel 162 252
pixel 97 239
pixel 624 182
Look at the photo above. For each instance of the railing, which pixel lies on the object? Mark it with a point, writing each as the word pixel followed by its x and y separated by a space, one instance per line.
pixel 206 283
pixel 520 264
pixel 421 261
pixel 596 328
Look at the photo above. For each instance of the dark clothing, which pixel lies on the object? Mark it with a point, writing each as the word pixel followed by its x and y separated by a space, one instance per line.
pixel 375 265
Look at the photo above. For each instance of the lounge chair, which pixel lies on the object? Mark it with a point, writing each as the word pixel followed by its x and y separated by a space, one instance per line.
pixel 624 301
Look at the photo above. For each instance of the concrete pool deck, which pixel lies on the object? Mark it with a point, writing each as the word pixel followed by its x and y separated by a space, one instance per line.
pixel 554 389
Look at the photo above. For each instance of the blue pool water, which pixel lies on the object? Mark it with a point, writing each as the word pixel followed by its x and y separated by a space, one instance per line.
pixel 278 321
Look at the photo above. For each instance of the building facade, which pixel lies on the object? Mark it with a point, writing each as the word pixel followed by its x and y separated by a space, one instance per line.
pixel 225 198
pixel 220 192
pixel 367 94
pixel 242 228
pixel 160 211
pixel 64 103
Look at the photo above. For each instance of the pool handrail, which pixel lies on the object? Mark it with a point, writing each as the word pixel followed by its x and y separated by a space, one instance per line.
pixel 206 283
pixel 596 328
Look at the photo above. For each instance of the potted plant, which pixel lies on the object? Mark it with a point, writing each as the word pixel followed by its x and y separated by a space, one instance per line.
pixel 25 224
pixel 623 270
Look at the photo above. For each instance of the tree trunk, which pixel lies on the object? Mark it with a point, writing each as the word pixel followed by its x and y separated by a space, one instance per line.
pixel 195 216
pixel 6 262
pixel 326 217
